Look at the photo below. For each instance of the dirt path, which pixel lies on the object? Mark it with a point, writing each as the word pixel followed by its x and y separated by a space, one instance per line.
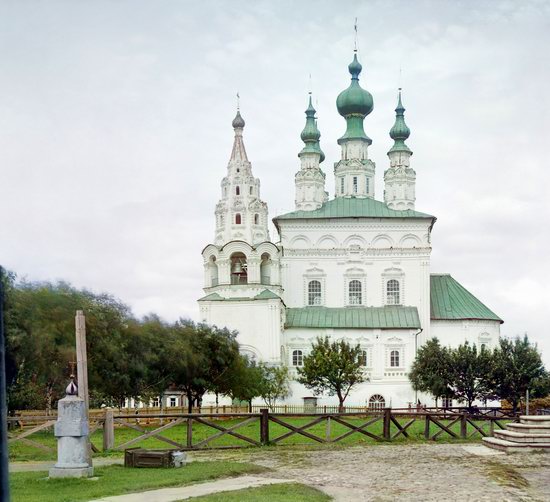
pixel 409 472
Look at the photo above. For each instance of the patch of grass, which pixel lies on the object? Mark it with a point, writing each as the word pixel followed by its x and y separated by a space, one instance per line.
pixel 117 480
pixel 506 475
pixel 22 452
pixel 283 492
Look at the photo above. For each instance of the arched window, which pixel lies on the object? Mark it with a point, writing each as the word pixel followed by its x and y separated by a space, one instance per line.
pixel 355 292
pixel 251 190
pixel 265 269
pixel 237 190
pixel 256 219
pixel 225 191
pixel 377 402
pixel 392 289
pixel 394 358
pixel 221 219
pixel 297 358
pixel 239 269
pixel 314 293
pixel 362 359
pixel 213 271
pixel 355 184
pixel 238 219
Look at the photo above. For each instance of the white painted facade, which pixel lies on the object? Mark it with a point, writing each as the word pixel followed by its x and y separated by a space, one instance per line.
pixel 341 261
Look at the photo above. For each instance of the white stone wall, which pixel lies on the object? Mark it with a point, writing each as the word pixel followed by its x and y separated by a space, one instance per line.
pixel 455 333
pixel 373 251
pixel 259 323
pixel 390 382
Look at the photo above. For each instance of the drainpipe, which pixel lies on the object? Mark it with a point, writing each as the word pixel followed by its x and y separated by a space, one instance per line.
pixel 415 351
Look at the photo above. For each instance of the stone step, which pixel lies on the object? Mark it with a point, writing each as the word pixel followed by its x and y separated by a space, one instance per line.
pixel 535 419
pixel 510 447
pixel 522 437
pixel 529 428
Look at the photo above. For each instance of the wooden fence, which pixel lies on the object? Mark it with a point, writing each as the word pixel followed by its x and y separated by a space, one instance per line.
pixel 274 428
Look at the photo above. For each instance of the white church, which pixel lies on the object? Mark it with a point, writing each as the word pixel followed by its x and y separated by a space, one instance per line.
pixel 349 267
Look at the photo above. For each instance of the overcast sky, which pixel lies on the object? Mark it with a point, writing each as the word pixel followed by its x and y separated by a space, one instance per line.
pixel 115 132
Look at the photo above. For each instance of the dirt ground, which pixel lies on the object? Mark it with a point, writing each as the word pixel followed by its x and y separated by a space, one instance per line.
pixel 407 472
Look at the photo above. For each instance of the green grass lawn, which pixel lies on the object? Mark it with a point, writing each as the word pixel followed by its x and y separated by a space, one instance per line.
pixel 117 480
pixel 22 452
pixel 285 492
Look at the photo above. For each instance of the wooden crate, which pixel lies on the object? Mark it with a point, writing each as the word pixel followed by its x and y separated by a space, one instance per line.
pixel 140 457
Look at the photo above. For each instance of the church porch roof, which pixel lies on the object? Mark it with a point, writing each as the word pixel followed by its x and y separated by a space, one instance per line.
pixel 449 300
pixel 353 317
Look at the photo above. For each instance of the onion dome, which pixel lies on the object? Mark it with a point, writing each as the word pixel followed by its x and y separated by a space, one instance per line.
pixel 400 131
pixel 354 100
pixel 354 103
pixel 238 121
pixel 311 135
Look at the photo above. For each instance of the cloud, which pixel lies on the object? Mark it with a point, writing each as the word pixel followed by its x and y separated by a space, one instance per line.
pixel 115 134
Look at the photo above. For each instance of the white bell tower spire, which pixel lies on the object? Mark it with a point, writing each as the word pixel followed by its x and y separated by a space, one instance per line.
pixel 240 213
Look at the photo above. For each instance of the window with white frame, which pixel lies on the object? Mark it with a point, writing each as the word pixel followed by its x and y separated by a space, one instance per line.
pixel 395 358
pixel 362 359
pixel 314 293
pixel 355 184
pixel 377 402
pixel 297 358
pixel 446 402
pixel 342 182
pixel 155 402
pixel 173 401
pixel 237 190
pixel 355 292
pixel 393 292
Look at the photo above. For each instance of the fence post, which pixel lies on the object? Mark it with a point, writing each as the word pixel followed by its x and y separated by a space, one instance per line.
pixel 463 425
pixel 189 433
pixel 491 428
pixel 328 432
pixel 427 427
pixel 264 426
pixel 108 430
pixel 387 423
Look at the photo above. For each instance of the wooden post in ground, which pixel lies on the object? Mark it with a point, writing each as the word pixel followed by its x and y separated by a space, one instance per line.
pixel 189 433
pixel 109 430
pixel 81 358
pixel 264 426
pixel 463 425
pixel 427 427
pixel 82 368
pixel 328 431
pixel 387 423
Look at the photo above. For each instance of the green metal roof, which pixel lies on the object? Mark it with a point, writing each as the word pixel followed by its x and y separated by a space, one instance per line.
pixel 353 207
pixel 353 317
pixel 266 294
pixel 451 300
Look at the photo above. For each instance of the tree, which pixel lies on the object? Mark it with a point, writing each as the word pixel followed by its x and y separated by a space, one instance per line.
pixel 470 373
pixel 244 380
pixel 517 367
pixel 430 371
pixel 274 384
pixel 332 367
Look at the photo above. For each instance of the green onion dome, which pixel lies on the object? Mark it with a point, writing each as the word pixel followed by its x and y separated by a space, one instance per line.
pixel 238 121
pixel 354 100
pixel 400 131
pixel 311 134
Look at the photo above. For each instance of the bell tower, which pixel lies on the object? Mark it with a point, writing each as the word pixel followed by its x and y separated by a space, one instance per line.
pixel 240 214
